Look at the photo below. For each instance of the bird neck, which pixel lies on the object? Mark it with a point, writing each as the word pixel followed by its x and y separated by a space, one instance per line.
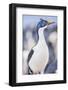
pixel 41 36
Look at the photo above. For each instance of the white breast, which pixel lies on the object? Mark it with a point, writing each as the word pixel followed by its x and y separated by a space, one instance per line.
pixel 40 57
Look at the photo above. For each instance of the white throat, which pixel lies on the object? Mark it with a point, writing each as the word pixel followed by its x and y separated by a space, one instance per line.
pixel 41 33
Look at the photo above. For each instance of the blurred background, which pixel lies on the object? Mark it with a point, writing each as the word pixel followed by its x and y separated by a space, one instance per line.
pixel 30 38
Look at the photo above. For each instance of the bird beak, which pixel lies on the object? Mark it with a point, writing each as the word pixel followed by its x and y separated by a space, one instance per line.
pixel 50 22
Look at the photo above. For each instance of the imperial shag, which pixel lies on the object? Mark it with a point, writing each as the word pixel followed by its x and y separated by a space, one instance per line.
pixel 39 55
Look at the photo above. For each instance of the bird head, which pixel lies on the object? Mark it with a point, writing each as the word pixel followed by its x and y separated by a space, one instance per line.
pixel 43 23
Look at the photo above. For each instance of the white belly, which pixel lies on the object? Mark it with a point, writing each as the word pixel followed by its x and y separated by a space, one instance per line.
pixel 39 59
